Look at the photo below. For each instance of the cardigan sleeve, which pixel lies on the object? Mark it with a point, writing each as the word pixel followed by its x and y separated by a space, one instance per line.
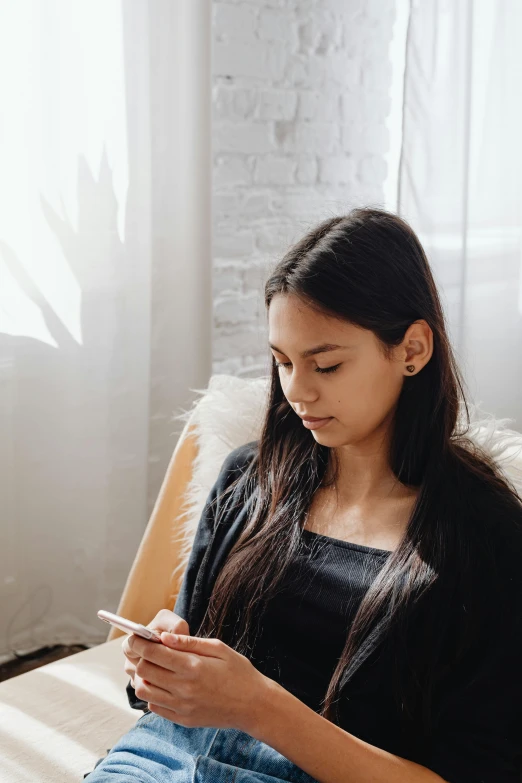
pixel 479 735
pixel 202 537
pixel 230 469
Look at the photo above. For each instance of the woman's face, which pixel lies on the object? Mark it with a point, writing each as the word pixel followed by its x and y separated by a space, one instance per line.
pixel 354 383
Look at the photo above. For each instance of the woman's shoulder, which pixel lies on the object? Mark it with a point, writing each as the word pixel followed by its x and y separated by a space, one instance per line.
pixel 493 514
pixel 503 520
pixel 244 453
pixel 503 550
pixel 236 462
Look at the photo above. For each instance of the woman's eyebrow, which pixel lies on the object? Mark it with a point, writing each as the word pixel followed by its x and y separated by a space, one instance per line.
pixel 316 349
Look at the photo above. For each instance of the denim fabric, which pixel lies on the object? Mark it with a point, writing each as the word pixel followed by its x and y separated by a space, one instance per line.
pixel 156 750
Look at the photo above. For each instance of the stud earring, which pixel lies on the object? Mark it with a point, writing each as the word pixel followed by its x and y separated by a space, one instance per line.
pixel 410 367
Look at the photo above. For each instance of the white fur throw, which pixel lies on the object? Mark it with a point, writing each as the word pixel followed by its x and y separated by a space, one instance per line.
pixel 230 413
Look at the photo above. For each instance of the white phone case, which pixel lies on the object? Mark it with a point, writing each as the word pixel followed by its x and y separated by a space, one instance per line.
pixel 129 626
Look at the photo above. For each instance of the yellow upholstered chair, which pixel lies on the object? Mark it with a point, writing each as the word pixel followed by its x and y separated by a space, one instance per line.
pixel 58 720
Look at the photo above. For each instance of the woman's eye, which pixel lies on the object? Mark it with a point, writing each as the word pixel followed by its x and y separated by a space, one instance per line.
pixel 317 369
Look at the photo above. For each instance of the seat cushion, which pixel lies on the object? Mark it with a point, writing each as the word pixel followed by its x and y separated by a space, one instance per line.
pixel 58 720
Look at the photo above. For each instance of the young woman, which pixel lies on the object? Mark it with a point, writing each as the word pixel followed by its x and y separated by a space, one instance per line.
pixel 365 623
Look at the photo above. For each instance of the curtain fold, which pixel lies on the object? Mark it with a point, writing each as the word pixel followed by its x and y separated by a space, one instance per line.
pixel 105 300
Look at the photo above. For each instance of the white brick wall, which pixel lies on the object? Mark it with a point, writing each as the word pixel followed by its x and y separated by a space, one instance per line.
pixel 300 99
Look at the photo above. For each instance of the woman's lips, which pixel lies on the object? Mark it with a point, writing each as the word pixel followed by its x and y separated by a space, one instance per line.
pixel 314 425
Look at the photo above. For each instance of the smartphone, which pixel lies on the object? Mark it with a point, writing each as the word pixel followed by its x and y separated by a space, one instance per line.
pixel 129 626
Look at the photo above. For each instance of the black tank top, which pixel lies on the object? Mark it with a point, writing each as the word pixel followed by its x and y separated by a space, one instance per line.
pixel 304 627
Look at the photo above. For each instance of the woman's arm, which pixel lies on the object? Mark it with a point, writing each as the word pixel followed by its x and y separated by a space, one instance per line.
pixel 324 750
pixel 477 735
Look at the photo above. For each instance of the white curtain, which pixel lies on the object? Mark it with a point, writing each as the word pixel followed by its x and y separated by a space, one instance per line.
pixel 105 325
pixel 460 181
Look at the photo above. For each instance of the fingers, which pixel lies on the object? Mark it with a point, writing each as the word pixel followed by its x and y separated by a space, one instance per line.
pixel 131 661
pixel 150 692
pixel 163 656
pixel 130 672
pixel 127 650
pixel 165 620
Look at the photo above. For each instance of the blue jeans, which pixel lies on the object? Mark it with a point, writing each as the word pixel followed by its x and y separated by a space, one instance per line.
pixel 156 750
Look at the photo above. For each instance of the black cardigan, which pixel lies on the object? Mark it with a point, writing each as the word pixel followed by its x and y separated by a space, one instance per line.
pixel 480 738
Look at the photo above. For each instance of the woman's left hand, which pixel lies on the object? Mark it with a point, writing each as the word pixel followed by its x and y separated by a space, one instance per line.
pixel 196 681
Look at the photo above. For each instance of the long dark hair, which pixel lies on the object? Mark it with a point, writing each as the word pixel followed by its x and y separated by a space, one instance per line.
pixel 369 268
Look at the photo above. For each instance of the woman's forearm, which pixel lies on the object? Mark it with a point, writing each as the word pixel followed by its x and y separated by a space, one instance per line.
pixel 324 750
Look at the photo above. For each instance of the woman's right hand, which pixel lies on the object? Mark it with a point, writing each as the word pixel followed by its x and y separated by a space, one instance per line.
pixel 165 620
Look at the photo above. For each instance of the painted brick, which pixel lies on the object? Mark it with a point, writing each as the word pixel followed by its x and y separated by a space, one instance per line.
pixel 226 278
pixel 228 242
pixel 231 170
pixel 278 26
pixel 258 60
pixel 299 106
pixel 233 103
pixel 372 169
pixel 234 22
pixel 318 106
pixel 274 170
pixel 247 137
pixel 236 309
pixel 337 169
pixel 306 173
pixel 276 104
